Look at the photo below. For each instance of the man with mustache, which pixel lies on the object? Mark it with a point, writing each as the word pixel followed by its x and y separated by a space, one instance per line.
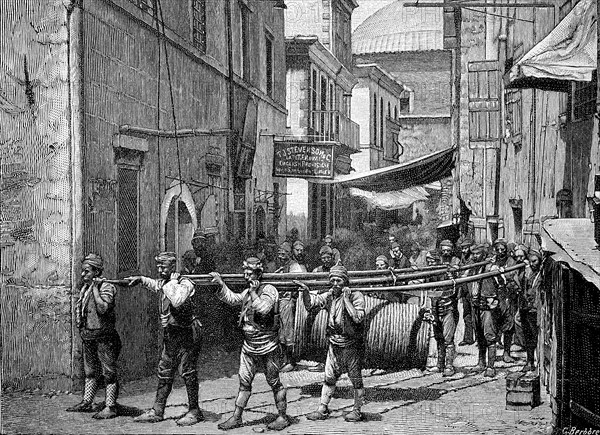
pixel 483 321
pixel 506 295
pixel 529 299
pixel 181 326
pixel 259 319
pixel 465 296
pixel 346 313
pixel 95 314
pixel 445 310
pixel 288 262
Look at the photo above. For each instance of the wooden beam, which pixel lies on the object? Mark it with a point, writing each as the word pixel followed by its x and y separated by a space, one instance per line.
pixel 477 5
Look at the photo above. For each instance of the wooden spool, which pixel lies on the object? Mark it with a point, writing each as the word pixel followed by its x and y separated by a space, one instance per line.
pixel 394 335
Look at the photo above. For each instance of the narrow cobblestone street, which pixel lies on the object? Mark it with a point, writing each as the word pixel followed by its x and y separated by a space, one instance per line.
pixel 411 402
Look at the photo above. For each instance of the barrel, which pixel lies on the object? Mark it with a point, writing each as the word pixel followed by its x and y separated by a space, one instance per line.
pixel 394 335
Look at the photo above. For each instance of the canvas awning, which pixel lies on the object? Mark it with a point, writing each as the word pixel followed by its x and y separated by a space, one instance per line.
pixel 397 199
pixel 568 53
pixel 424 170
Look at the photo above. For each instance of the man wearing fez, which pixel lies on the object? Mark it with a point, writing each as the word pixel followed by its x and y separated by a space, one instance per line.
pixel 204 262
pixel 291 260
pixel 95 317
pixel 181 337
pixel 445 311
pixel 298 257
pixel 326 255
pixel 529 299
pixel 507 289
pixel 483 322
pixel 417 257
pixel 259 319
pixel 465 244
pixel 346 313
pixel 337 257
pixel 399 260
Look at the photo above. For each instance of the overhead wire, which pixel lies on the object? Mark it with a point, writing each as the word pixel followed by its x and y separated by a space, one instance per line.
pixel 169 78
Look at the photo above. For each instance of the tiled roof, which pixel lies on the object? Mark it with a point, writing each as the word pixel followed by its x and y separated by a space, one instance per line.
pixel 576 238
pixel 395 28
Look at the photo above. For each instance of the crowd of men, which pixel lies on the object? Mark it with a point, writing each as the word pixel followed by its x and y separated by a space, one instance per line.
pixel 491 308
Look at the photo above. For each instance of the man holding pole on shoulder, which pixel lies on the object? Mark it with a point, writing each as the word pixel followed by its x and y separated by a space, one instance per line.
pixel 95 314
pixel 346 313
pixel 182 330
pixel 259 319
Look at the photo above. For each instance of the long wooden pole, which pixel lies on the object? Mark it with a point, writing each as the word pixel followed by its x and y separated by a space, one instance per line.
pixel 406 288
pixel 399 273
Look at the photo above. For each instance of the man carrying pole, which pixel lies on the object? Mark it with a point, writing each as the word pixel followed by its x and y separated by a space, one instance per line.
pixel 259 319
pixel 95 314
pixel 181 338
pixel 346 312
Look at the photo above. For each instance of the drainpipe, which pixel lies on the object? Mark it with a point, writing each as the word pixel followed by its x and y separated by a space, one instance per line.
pixel 231 99
pixel 76 101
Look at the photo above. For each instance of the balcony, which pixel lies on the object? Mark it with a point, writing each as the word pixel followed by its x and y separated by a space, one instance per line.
pixel 332 125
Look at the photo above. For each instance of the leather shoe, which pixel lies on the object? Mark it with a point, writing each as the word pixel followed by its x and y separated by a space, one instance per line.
pixel 193 416
pixel 230 423
pixel 287 368
pixel 466 343
pixel 490 372
pixel 354 416
pixel 82 407
pixel 507 358
pixel 106 413
pixel 449 371
pixel 318 415
pixel 149 416
pixel 280 423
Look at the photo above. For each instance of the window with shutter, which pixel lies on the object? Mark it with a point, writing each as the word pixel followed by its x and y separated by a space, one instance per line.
pixel 484 104
pixel 514 115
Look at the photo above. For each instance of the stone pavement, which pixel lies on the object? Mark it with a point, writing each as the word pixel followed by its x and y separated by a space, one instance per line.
pixel 403 402
pixel 410 402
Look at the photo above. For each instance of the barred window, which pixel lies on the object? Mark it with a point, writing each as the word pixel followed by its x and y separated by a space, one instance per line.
pixel 382 123
pixel 375 102
pixel 127 212
pixel 199 24
pixel 584 98
pixel 269 63
pixel 244 41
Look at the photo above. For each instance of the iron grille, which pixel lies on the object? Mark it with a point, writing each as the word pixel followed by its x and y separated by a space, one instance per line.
pixel 127 235
pixel 199 24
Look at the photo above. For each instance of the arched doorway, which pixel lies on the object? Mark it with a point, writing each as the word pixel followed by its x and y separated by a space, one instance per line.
pixel 177 219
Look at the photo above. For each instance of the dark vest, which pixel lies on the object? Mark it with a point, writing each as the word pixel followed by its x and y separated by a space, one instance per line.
pixel 261 321
pixel 188 311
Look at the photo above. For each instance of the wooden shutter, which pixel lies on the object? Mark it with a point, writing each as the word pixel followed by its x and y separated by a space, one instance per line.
pixel 484 104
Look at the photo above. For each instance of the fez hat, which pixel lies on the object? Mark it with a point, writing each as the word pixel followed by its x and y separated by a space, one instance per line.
pixel 382 258
pixel 253 263
pixel 446 242
pixel 285 247
pixel 325 250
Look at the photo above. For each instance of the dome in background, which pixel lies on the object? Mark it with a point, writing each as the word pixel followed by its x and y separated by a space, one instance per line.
pixel 395 28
